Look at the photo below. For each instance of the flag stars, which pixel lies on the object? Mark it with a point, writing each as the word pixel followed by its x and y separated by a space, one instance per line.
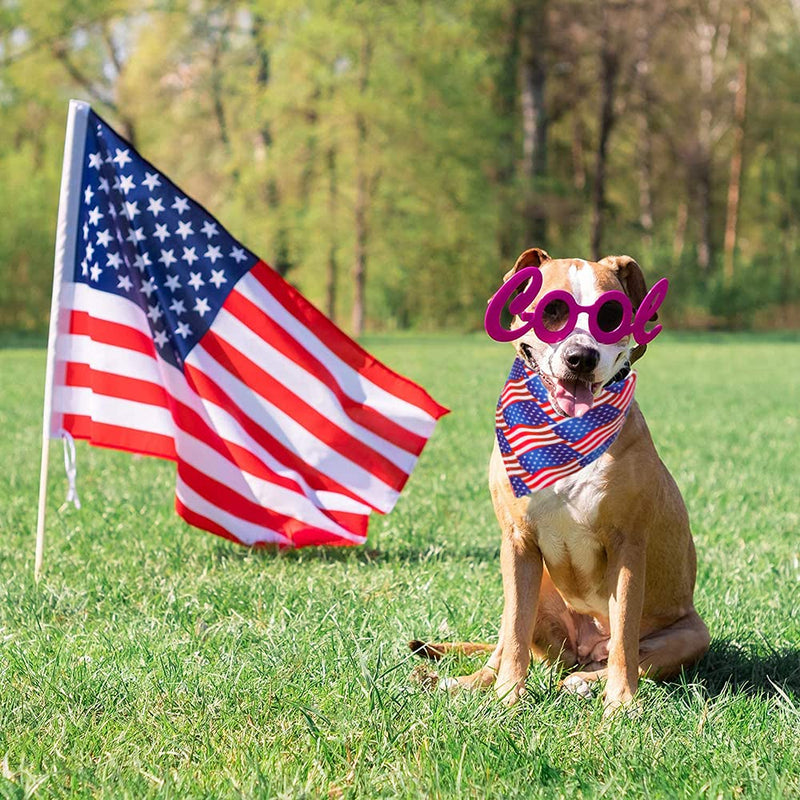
pixel 148 287
pixel 155 313
pixel 135 235
pixel 114 260
pixel 183 330
pixel 196 281
pixel 151 180
pixel 218 277
pixel 96 272
pixel 238 255
pixel 131 209
pixel 126 183
pixel 95 216
pixel 85 230
pixel 162 233
pixel 201 306
pixel 212 254
pixel 88 195
pixel 172 283
pixel 189 255
pixel 177 306
pixel 95 161
pixel 103 238
pixel 160 338
pixel 89 251
pixel 155 206
pixel 143 261
pixel 210 229
pixel 184 230
pixel 167 258
pixel 104 185
pixel 181 204
pixel 124 282
pixel 121 158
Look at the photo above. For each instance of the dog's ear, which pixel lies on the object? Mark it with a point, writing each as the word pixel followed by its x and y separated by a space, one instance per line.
pixel 631 277
pixel 534 257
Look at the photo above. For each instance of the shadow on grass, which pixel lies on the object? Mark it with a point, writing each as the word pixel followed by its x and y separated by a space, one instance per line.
pixel 395 555
pixel 747 669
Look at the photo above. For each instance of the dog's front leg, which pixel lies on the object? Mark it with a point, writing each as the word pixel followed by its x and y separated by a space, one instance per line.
pixel 626 570
pixel 521 565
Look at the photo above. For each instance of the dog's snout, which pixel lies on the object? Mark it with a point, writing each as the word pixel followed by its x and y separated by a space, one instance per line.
pixel 582 359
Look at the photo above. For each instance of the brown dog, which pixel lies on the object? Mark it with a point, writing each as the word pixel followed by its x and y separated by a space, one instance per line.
pixel 598 568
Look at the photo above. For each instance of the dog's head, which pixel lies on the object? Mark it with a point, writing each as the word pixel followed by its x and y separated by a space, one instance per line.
pixel 576 369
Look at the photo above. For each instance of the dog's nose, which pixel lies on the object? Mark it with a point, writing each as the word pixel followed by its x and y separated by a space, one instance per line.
pixel 582 359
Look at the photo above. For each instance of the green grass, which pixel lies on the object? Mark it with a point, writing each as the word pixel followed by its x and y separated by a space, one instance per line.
pixel 154 660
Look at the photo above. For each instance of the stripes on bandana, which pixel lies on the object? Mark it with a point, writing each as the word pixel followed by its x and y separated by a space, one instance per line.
pixel 540 446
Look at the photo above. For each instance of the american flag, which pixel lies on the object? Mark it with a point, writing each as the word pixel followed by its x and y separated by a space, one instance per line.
pixel 538 445
pixel 174 340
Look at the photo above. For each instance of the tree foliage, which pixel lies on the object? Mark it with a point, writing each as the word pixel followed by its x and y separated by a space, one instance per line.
pixel 396 156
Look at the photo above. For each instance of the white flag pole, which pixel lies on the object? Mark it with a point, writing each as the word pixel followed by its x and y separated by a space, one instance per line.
pixel 66 239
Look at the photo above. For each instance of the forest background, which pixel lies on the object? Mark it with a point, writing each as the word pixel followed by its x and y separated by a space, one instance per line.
pixel 391 159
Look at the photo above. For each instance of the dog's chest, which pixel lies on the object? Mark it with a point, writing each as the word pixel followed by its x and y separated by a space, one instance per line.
pixel 565 518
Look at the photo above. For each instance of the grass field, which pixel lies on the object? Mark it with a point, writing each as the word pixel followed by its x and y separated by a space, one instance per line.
pixel 154 660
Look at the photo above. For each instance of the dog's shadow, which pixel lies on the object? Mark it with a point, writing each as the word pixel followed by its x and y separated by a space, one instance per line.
pixel 747 669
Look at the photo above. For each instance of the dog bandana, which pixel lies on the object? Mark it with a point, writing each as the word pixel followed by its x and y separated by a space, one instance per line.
pixel 539 445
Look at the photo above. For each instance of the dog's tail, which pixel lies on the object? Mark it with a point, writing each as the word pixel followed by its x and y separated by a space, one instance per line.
pixel 436 650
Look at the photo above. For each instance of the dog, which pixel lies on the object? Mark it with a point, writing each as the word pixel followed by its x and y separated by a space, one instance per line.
pixel 598 568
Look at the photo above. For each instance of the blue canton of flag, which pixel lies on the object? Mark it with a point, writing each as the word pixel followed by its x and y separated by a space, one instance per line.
pixel 142 238
pixel 538 445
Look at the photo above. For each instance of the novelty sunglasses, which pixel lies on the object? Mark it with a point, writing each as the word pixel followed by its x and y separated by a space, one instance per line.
pixel 611 316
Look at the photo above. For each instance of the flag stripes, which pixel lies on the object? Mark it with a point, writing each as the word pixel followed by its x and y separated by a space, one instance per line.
pixel 237 466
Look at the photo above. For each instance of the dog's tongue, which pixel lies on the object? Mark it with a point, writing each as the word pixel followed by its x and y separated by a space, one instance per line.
pixel 574 397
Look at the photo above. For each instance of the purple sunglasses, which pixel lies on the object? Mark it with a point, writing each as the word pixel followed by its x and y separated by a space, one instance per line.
pixel 611 316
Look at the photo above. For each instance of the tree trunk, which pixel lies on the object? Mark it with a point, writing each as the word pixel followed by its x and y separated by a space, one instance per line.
pixel 712 42
pixel 703 166
pixel 645 145
pixel 333 265
pixel 505 101
pixel 362 198
pixel 578 167
pixel 680 232
pixel 734 183
pixel 533 76
pixel 609 69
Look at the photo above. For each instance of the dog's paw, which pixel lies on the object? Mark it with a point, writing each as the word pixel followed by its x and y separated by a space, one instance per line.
pixel 509 692
pixel 616 709
pixel 621 701
pixel 575 684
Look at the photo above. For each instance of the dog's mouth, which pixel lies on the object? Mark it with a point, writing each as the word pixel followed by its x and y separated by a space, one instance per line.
pixel 570 396
pixel 573 397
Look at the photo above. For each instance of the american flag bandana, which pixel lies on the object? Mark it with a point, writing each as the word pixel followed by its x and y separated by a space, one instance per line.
pixel 538 445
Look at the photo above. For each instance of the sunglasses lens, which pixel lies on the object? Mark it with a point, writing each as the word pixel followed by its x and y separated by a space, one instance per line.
pixel 609 317
pixel 555 315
